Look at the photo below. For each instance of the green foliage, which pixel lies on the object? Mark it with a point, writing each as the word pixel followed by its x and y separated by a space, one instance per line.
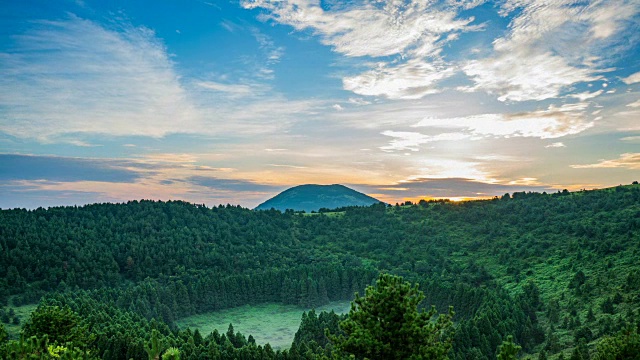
pixel 171 354
pixel 3 334
pixel 60 324
pixel 40 348
pixel 542 355
pixel 386 324
pixel 508 350
pixel 155 346
pixel 580 352
pixel 624 345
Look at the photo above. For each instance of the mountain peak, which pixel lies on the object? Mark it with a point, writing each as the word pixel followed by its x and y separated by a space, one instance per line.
pixel 312 197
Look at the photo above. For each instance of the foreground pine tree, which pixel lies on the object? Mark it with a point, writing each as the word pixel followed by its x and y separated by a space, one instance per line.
pixel 386 324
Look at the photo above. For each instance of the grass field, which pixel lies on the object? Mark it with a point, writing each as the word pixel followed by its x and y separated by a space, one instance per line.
pixel 268 323
pixel 24 313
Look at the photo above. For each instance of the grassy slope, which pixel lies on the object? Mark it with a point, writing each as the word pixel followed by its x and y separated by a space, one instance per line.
pixel 24 313
pixel 275 324
pixel 553 274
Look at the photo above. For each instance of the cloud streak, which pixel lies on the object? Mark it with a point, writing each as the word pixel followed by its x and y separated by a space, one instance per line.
pixel 414 31
pixel 551 46
pixel 426 188
pixel 627 160
pixel 52 168
pixel 75 76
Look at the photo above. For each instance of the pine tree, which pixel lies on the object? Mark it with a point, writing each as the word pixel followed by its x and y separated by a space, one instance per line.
pixel 3 334
pixel 171 354
pixel 508 350
pixel 154 348
pixel 386 324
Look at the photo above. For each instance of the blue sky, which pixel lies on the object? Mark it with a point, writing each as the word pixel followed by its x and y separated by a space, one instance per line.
pixel 233 101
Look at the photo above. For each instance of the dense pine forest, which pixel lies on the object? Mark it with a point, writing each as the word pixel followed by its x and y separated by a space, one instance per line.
pixel 559 273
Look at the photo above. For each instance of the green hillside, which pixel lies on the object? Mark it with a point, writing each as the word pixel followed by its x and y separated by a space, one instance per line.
pixel 559 272
pixel 315 197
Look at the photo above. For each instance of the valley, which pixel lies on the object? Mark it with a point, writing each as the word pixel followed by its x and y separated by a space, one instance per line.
pixel 558 272
pixel 274 324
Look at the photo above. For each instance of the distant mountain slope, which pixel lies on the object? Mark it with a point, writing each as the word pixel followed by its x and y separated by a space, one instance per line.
pixel 314 197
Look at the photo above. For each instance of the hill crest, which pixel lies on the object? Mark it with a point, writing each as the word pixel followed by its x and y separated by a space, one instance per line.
pixel 312 197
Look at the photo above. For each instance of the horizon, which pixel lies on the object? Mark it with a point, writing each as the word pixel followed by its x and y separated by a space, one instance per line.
pixel 413 201
pixel 232 102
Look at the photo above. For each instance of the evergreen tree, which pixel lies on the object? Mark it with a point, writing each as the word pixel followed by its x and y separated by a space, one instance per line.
pixel 386 324
pixel 171 354
pixel 625 345
pixel 60 324
pixel 508 350
pixel 154 347
pixel 3 334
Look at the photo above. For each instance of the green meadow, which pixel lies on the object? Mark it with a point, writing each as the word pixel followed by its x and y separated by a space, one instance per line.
pixel 275 324
pixel 23 313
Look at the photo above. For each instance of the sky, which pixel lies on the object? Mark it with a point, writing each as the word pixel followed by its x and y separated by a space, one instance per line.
pixel 230 102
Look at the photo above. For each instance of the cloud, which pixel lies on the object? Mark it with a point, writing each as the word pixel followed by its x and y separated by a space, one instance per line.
pixel 415 30
pixel 289 166
pixel 556 145
pixel 368 29
pixel 551 46
pixel 519 76
pixel 271 54
pixel 359 101
pixel 442 168
pixel 32 181
pixel 632 79
pixel 586 95
pixel 60 169
pixel 466 4
pixel 410 80
pixel 552 123
pixel 411 140
pixel 634 104
pixel 234 90
pixel 451 188
pixel 75 76
pixel 627 160
pixel 231 184
pixel 29 195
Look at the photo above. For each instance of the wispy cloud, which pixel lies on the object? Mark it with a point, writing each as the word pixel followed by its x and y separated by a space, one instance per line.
pixel 404 140
pixel 586 95
pixel 556 145
pixel 414 31
pixel 87 78
pixel 632 79
pixel 233 90
pixel 271 54
pixel 412 79
pixel 626 160
pixel 369 29
pixel 520 76
pixel 634 104
pixel 426 188
pixel 554 122
pixel 551 46
pixel 63 169
pixel 231 184
pixel 52 180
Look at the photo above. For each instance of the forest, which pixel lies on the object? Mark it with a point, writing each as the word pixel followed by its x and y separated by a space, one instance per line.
pixel 555 275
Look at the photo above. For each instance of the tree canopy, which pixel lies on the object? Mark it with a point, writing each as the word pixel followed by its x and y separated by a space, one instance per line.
pixel 386 324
